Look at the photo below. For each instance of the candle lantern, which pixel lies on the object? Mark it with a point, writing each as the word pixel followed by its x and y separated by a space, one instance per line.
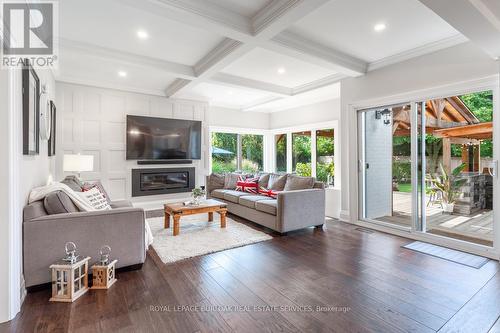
pixel 103 273
pixel 69 276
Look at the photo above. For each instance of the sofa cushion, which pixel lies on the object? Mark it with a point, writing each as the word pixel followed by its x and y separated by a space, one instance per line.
pixel 267 206
pixel 218 193
pixel 59 202
pixel 34 210
pixel 216 181
pixel 73 183
pixel 250 200
pixel 234 196
pixel 294 182
pixel 264 179
pixel 277 182
pixel 230 180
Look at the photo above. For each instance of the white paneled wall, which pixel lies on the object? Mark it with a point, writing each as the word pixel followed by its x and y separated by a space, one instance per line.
pixel 93 121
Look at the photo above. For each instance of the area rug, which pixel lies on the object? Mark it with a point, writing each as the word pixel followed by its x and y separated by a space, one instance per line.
pixel 458 257
pixel 198 237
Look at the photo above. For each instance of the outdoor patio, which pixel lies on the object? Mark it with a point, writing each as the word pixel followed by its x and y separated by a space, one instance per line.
pixel 476 228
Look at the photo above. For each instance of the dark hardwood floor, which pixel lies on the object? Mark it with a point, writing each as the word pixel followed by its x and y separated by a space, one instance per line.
pixel 340 279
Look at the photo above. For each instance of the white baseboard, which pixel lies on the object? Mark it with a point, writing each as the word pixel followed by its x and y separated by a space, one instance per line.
pixel 344 216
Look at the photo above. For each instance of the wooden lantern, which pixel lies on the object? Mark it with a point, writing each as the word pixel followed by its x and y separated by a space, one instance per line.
pixel 103 276
pixel 69 280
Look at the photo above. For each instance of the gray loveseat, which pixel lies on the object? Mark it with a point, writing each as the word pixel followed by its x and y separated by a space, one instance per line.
pixel 44 236
pixel 293 208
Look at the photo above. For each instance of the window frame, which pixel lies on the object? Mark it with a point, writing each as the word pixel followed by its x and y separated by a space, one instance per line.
pixel 332 124
pixel 239 132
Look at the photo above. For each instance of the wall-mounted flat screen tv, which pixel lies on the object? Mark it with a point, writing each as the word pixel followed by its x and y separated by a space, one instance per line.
pixel 150 138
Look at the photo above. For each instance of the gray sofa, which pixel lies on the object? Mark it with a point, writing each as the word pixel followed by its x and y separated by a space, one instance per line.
pixel 45 235
pixel 291 210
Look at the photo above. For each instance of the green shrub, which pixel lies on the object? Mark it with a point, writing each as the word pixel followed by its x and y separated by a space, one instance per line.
pixel 223 167
pixel 303 169
pixel 401 171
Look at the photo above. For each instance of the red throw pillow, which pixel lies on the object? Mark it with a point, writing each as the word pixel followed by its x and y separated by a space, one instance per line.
pixel 268 193
pixel 250 185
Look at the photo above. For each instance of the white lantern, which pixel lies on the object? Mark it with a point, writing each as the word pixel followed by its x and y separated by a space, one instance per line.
pixel 69 280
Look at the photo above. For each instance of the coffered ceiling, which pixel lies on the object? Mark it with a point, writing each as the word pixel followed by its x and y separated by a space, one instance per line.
pixel 261 55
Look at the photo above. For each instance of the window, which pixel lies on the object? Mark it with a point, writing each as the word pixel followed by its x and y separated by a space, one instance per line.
pixel 252 153
pixel 301 153
pixel 224 152
pixel 325 165
pixel 280 146
pixel 237 152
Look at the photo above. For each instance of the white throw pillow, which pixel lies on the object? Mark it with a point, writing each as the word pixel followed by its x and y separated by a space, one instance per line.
pixel 96 199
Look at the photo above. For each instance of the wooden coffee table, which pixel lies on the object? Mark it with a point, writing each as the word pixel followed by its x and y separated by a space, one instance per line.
pixel 176 210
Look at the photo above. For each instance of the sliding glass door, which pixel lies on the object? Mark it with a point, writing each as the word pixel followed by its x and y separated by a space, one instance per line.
pixel 385 165
pixel 429 167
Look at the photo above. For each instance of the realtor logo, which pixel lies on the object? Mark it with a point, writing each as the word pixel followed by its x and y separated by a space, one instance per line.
pixel 29 30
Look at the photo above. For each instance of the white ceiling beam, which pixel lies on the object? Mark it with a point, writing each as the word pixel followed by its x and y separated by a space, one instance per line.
pixel 296 46
pixel 281 14
pixel 90 50
pixel 271 20
pixel 472 19
pixel 240 82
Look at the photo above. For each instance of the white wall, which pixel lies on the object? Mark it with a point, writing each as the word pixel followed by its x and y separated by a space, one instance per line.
pixel 19 175
pixel 308 114
pixel 93 121
pixel 224 117
pixel 425 75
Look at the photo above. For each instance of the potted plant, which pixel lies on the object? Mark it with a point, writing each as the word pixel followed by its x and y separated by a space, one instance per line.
pixel 449 185
pixel 197 193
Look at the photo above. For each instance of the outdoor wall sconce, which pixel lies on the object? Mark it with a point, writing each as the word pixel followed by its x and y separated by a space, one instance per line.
pixel 386 114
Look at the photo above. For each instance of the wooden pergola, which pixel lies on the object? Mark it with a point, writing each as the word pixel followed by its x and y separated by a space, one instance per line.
pixel 450 119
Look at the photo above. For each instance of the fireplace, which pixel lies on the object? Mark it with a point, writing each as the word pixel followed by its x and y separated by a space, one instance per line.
pixel 162 181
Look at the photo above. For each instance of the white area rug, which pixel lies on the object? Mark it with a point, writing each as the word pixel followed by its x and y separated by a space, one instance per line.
pixel 198 236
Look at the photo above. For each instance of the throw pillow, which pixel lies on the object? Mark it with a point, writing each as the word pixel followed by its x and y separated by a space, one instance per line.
pixel 96 199
pixel 250 185
pixel 215 181
pixel 97 184
pixel 264 179
pixel 268 193
pixel 230 180
pixel 294 182
pixel 59 202
pixel 277 182
pixel 73 183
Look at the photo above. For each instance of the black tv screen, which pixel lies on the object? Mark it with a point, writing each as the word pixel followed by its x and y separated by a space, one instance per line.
pixel 150 138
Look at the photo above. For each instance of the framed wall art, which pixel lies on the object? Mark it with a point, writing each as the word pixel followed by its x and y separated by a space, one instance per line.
pixel 31 110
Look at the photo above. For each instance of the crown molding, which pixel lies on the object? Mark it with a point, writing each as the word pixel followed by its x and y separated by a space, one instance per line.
pixel 262 101
pixel 326 81
pixel 176 86
pixel 299 47
pixel 107 85
pixel 202 14
pixel 90 50
pixel 221 51
pixel 418 51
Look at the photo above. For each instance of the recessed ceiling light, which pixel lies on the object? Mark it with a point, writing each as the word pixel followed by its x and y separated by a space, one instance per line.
pixel 142 34
pixel 379 27
pixel 122 74
pixel 281 70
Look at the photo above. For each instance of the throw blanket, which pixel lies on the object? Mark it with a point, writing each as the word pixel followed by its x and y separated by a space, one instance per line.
pixel 39 193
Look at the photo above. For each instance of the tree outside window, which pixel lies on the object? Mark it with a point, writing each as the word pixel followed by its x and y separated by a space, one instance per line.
pixel 237 152
pixel 280 146
pixel 301 153
pixel 325 165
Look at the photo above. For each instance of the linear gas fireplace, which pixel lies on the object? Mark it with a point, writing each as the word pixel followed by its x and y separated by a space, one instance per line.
pixel 162 181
